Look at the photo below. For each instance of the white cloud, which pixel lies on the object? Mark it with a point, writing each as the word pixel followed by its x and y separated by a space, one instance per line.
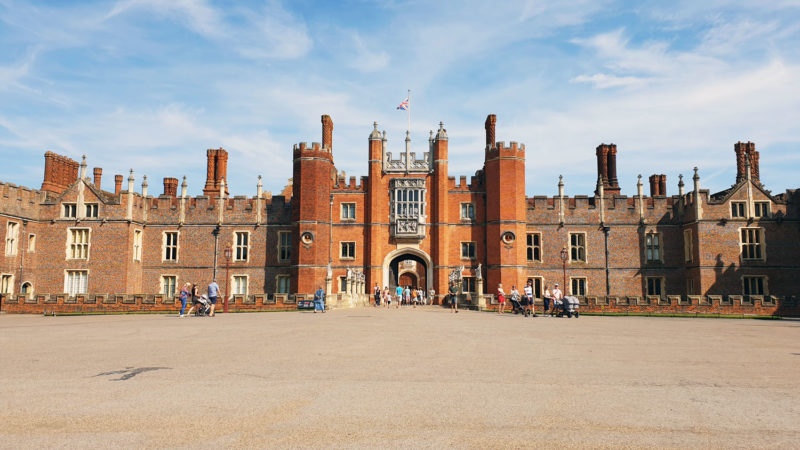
pixel 604 81
pixel 198 15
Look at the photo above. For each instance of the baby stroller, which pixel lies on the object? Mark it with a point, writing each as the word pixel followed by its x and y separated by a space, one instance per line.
pixel 517 305
pixel 568 307
pixel 203 306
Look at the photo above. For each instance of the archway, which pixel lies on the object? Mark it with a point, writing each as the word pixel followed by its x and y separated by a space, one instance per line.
pixel 394 265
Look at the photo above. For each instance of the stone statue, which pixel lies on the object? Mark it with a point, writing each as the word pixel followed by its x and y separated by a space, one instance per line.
pixel 478 272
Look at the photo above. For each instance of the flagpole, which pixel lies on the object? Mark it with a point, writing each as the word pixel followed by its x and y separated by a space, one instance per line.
pixel 409 111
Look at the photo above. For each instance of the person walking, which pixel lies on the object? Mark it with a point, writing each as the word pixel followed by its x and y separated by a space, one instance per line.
pixel 548 297
pixel 387 297
pixel 407 296
pixel 528 290
pixel 501 298
pixel 414 297
pixel 399 296
pixel 377 295
pixel 195 298
pixel 514 296
pixel 184 296
pixel 558 298
pixel 453 291
pixel 319 300
pixel 213 294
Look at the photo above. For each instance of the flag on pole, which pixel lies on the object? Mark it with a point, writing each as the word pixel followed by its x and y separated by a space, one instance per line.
pixel 404 105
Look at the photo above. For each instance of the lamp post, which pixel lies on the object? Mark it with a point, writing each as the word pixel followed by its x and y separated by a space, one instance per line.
pixel 228 253
pixel 564 255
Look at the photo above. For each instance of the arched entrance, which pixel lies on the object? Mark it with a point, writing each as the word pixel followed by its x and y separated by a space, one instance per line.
pixel 408 265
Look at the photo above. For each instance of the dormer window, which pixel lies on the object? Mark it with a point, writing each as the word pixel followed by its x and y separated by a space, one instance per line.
pixel 70 210
pixel 761 209
pixel 738 209
pixel 91 210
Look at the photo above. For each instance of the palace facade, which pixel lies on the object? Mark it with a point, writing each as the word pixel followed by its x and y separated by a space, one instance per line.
pixel 72 246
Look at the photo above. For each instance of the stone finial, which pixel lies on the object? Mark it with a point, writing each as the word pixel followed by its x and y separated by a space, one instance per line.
pixel 680 185
pixel 375 135
pixel 183 187
pixel 441 135
pixel 83 167
pixel 144 186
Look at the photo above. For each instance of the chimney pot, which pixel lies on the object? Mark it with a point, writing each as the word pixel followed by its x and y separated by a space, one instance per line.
pixel 98 174
pixel 117 184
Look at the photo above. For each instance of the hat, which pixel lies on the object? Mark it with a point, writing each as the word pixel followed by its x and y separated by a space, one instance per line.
pixel 556 284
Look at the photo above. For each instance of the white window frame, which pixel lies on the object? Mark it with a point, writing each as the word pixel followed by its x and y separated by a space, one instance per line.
pixel 650 247
pixel 69 210
pixel 31 243
pixel 165 246
pixel 73 246
pixel 585 286
pixel 466 245
pixel 7 284
pixel 12 238
pixel 347 211
pixel 70 283
pixel 239 248
pixel 163 285
pixel 235 290
pixel 688 245
pixel 738 210
pixel 531 246
pixel 278 284
pixel 92 210
pixel 754 277
pixel 469 209
pixel 759 246
pixel 766 206
pixel 345 244
pixel 282 246
pixel 578 248
pixel 137 244
pixel 661 285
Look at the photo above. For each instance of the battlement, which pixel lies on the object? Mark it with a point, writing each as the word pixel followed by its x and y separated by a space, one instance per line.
pixel 316 150
pixel 351 185
pixel 462 185
pixel 499 149
pixel 13 196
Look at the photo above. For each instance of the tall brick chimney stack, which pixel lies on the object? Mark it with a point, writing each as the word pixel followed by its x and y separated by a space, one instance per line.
pixel 744 150
pixel 171 187
pixel 607 168
pixel 98 174
pixel 217 169
pixel 59 172
pixel 658 185
pixel 117 184
pixel 327 132
pixel 491 120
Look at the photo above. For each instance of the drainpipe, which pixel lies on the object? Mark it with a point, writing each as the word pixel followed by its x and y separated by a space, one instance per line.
pixel 23 251
pixel 216 250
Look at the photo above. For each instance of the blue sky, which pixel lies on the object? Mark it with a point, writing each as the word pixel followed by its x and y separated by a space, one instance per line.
pixel 151 84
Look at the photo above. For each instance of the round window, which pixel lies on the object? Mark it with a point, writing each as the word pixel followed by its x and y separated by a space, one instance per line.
pixel 508 237
pixel 307 237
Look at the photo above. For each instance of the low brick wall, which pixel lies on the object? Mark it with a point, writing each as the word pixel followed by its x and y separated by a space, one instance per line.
pixel 112 303
pixel 738 305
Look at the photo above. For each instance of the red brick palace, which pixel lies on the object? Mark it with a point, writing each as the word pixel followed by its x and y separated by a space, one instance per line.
pixel 72 246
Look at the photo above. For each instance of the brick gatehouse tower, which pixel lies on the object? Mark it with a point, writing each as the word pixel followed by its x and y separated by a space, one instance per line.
pixel 74 246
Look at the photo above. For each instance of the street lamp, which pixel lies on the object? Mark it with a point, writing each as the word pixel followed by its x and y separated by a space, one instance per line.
pixel 228 253
pixel 564 256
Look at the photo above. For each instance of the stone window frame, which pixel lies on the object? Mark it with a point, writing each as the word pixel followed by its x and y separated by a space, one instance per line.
pixel 7 284
pixel 28 294
pixel 162 285
pixel 531 247
pixel 342 285
pixel 350 254
pixel 738 210
pixel 81 247
pixel 764 284
pixel 688 245
pixel 466 245
pixel 67 282
pixel 92 210
pixel 32 243
pixel 69 210
pixel 138 239
pixel 239 248
pixel 766 206
pixel 165 247
pixel 344 214
pixel 579 248
pixel 662 285
pixel 284 249
pixel 759 246
pixel 246 283
pixel 470 209
pixel 278 283
pixel 585 286
pixel 541 285
pixel 658 247
pixel 12 238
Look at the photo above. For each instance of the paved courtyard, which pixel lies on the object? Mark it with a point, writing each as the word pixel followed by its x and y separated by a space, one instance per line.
pixel 412 378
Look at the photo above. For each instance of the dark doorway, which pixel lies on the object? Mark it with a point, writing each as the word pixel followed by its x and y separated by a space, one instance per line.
pixel 416 277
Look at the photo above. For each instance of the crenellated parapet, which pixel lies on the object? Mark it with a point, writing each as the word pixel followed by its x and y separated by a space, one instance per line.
pixel 315 151
pixel 351 185
pixel 500 151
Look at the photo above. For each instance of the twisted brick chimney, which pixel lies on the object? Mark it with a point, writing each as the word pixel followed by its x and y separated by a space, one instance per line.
pixel 491 120
pixel 327 132
pixel 217 170
pixel 744 150
pixel 117 184
pixel 98 173
pixel 171 187
pixel 658 185
pixel 59 172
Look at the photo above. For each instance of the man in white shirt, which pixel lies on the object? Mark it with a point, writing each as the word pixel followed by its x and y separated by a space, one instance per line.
pixel 558 298
pixel 528 289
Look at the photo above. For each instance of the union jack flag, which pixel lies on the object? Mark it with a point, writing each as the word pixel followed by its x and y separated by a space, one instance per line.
pixel 404 105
